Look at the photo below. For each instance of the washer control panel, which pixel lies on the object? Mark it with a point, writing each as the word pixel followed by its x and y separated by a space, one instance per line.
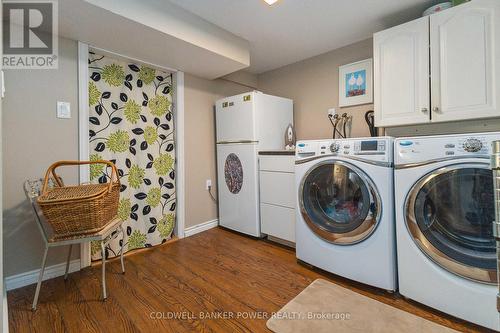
pixel 370 147
pixel 378 149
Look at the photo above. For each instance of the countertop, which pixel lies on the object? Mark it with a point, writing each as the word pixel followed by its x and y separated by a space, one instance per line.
pixel 277 152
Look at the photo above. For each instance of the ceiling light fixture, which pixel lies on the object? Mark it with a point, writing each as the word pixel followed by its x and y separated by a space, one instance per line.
pixel 271 2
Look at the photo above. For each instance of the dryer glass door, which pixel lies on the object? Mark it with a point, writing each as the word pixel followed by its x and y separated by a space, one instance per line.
pixel 339 202
pixel 450 213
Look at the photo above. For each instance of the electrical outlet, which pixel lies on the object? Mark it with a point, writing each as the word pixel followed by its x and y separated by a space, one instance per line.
pixel 209 184
pixel 331 112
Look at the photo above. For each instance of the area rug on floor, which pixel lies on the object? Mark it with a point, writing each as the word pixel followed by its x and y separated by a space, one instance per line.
pixel 326 307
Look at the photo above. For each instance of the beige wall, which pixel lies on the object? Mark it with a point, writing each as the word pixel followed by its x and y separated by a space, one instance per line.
pixel 200 96
pixel 244 78
pixel 313 86
pixel 33 138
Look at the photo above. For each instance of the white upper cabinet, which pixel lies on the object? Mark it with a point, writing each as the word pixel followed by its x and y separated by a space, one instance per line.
pixel 401 67
pixel 463 76
pixel 443 67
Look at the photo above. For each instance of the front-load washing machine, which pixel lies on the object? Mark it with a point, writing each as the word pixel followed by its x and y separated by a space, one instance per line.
pixel 345 208
pixel 444 214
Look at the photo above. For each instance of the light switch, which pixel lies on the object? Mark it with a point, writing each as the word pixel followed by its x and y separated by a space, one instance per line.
pixel 63 110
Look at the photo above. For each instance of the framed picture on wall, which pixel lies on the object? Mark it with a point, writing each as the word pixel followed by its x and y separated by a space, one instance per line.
pixel 356 83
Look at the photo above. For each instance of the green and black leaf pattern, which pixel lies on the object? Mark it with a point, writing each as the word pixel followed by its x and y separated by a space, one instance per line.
pixel 131 124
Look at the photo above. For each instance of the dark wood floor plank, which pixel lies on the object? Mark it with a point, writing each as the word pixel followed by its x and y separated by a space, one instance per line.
pixel 22 319
pixel 91 290
pixel 198 302
pixel 213 272
pixel 67 297
pixel 139 277
pixel 137 304
pixel 217 298
pixel 71 312
pixel 218 271
pixel 271 285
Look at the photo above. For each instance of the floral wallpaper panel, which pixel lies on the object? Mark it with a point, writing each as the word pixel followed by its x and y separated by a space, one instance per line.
pixel 131 124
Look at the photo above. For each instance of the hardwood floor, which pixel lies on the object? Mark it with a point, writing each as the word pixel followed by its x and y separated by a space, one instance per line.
pixel 218 273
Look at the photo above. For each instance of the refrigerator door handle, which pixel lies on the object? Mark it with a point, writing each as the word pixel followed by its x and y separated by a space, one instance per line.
pixel 236 142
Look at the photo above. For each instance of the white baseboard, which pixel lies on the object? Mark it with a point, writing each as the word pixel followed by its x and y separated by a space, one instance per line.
pixel 27 278
pixel 195 229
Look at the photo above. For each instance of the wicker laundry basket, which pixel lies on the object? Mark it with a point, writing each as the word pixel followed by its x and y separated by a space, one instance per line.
pixel 82 209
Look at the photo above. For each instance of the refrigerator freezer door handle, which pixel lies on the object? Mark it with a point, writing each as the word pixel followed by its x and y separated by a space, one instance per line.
pixel 238 141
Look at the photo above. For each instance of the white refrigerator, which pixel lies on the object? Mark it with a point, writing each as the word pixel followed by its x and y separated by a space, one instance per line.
pixel 245 125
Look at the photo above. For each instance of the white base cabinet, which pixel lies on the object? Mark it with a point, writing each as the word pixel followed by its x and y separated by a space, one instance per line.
pixel 278 221
pixel 439 68
pixel 277 195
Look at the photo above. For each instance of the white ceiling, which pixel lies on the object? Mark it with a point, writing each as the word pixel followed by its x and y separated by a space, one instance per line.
pixel 293 30
pixel 156 32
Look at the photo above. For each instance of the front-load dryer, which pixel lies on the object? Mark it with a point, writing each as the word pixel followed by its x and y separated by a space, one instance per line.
pixel 444 214
pixel 345 208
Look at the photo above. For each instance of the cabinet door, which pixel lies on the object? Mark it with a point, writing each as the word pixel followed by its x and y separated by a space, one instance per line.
pixel 278 221
pixel 401 65
pixel 463 73
pixel 278 188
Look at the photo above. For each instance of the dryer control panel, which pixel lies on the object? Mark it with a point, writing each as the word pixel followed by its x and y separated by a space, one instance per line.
pixel 375 149
pixel 434 148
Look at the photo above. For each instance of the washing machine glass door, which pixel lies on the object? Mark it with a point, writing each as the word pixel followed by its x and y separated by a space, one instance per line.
pixel 339 202
pixel 449 213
